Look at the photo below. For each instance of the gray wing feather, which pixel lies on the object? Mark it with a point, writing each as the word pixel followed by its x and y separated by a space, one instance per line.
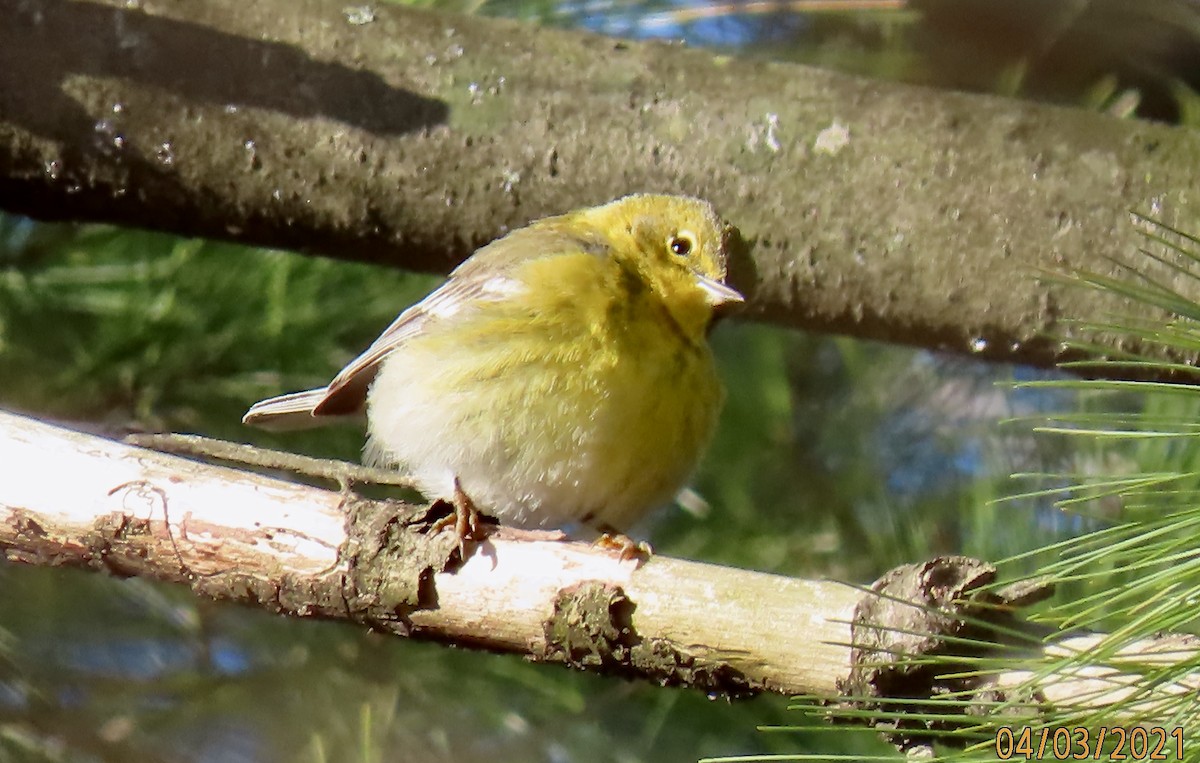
pixel 348 390
pixel 287 412
pixel 484 276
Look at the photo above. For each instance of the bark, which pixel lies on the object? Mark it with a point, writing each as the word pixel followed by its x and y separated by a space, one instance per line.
pixel 308 552
pixel 405 137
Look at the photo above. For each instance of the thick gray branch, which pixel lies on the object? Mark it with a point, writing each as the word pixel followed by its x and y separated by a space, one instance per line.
pixel 877 210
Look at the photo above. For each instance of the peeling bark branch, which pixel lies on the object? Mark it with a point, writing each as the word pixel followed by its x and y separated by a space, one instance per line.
pixel 308 552
pixel 878 210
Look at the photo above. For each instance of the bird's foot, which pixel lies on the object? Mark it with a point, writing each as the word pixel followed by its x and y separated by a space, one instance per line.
pixel 623 546
pixel 465 520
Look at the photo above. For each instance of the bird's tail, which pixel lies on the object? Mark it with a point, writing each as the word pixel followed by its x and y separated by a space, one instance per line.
pixel 290 412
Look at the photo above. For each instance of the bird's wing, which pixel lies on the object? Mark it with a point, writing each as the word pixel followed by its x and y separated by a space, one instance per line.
pixel 489 274
pixel 348 390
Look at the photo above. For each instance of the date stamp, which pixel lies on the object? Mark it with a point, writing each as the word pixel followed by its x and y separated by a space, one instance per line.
pixel 1077 743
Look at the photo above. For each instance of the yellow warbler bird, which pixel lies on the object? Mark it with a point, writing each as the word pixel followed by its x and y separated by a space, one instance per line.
pixel 561 374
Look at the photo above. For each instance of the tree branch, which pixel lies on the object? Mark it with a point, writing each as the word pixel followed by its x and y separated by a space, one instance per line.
pixel 304 551
pixel 308 552
pixel 877 210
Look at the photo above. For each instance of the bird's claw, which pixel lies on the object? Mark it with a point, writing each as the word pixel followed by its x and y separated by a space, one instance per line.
pixel 624 547
pixel 465 520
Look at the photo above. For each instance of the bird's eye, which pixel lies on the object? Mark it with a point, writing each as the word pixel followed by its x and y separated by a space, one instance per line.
pixel 682 243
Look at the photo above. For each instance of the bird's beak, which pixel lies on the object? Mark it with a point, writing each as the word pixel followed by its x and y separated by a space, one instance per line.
pixel 718 294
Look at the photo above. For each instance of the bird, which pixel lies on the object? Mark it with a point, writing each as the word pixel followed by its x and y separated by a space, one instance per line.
pixel 560 376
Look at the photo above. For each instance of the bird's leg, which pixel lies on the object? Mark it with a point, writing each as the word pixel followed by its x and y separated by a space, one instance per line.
pixel 466 519
pixel 466 513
